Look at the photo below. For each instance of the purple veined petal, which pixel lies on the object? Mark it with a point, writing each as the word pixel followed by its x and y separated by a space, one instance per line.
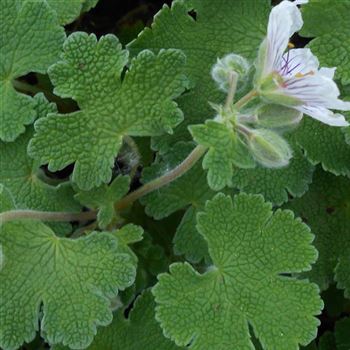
pixel 285 19
pixel 298 61
pixel 316 90
pixel 324 115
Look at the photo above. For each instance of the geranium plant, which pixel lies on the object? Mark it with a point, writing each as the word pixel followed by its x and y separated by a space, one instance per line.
pixel 186 187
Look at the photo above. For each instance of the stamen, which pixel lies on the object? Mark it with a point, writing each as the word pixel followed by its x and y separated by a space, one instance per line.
pixel 295 67
pixel 301 75
pixel 291 45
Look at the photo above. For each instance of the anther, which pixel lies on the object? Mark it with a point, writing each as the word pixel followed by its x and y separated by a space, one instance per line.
pixel 301 75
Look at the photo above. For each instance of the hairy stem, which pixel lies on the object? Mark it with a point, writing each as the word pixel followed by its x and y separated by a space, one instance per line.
pixel 245 99
pixel 161 181
pixel 232 90
pixel 155 184
pixel 46 215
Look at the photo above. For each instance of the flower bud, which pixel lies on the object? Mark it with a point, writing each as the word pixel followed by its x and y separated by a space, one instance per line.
pixel 276 116
pixel 227 66
pixel 269 149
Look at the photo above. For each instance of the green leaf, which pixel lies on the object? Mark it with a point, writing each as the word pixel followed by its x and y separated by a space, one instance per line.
pixel 325 145
pixel 342 334
pixel 104 197
pixel 63 283
pixel 253 250
pixel 30 40
pixel 127 235
pixel 342 272
pixel 151 256
pixel 188 192
pixel 327 342
pixel 325 208
pixel 89 4
pixel 276 184
pixel 23 177
pixel 67 10
pixel 6 200
pixel 335 302
pixel 331 27
pixel 139 331
pixel 347 129
pixel 140 106
pixel 339 340
pixel 203 39
pixel 225 150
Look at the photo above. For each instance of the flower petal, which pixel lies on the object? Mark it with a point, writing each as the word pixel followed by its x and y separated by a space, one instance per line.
pixel 324 115
pixel 285 19
pixel 299 61
pixel 317 89
pixel 328 72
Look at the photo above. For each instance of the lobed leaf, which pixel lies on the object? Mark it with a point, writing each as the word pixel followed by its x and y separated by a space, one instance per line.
pixel 204 30
pixel 332 31
pixel 68 10
pixel 30 40
pixel 325 145
pixel 66 284
pixel 254 251
pixel 104 197
pixel 140 106
pixel 225 151
pixel 325 209
pixel 139 331
pixel 23 177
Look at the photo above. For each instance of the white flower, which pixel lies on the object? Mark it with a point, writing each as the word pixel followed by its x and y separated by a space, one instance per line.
pixel 293 78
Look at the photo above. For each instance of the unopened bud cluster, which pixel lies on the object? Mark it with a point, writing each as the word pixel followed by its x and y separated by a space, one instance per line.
pixel 228 68
pixel 261 123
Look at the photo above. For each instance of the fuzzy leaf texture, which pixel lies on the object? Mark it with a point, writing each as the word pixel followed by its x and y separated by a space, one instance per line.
pixel 48 278
pixel 139 106
pixel 325 208
pixel 325 145
pixel 68 10
pixel 24 178
pixel 139 331
pixel 30 41
pixel 127 235
pixel 277 184
pixel 252 250
pixel 225 151
pixel 220 27
pixel 104 197
pixel 332 31
pixel 189 192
